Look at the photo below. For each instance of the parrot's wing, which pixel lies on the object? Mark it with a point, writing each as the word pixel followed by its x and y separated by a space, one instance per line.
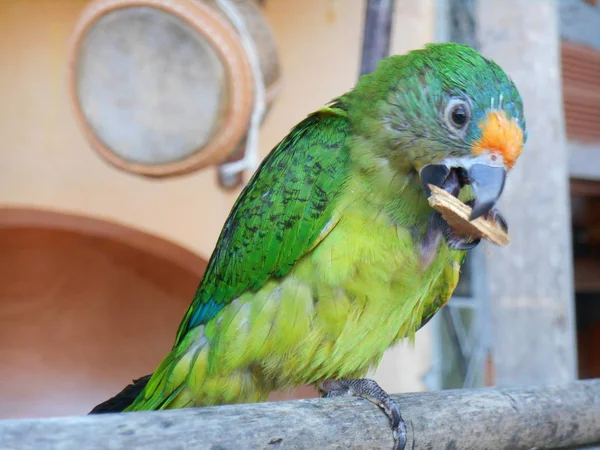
pixel 283 212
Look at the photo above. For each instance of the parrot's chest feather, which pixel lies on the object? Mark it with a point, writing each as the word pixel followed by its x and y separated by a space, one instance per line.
pixel 370 289
pixel 334 314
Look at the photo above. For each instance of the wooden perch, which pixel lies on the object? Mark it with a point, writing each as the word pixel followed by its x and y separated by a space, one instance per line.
pixel 457 214
pixel 565 416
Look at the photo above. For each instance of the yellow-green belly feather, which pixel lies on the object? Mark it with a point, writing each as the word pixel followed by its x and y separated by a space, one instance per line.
pixel 333 316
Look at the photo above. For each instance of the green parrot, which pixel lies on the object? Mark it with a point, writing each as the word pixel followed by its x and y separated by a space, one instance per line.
pixel 331 253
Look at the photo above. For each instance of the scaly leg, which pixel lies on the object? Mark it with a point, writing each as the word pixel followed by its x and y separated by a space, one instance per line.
pixel 495 216
pixel 369 390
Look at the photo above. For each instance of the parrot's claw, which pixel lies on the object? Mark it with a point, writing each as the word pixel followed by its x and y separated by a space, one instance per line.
pixel 456 242
pixel 460 243
pixel 371 391
pixel 495 216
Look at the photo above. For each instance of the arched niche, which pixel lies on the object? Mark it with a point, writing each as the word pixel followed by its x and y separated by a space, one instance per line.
pixel 85 305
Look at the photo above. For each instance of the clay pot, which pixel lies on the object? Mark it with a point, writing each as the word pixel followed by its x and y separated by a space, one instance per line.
pixel 165 87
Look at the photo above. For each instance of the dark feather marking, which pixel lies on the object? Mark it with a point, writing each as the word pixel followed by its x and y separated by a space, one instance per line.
pixel 123 399
pixel 278 216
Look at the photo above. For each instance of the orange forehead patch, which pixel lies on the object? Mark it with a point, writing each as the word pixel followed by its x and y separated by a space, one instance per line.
pixel 500 135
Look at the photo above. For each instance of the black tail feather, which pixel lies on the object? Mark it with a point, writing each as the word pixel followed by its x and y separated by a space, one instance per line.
pixel 123 399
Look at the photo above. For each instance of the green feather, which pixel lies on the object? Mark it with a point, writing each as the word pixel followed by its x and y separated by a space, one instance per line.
pixel 279 215
pixel 318 268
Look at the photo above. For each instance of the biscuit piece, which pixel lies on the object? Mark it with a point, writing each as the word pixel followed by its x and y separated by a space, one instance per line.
pixel 456 214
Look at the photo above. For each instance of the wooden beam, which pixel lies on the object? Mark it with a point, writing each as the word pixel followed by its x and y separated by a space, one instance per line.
pixel 586 275
pixel 585 188
pixel 517 418
pixel 531 280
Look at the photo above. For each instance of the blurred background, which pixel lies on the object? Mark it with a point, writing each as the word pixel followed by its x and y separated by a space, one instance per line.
pixel 125 129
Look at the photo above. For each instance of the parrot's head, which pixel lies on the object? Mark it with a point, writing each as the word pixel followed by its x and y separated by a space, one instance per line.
pixel 449 115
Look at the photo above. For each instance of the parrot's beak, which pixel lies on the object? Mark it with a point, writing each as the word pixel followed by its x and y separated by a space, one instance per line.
pixel 487 183
pixel 484 170
pixel 435 174
pixel 486 180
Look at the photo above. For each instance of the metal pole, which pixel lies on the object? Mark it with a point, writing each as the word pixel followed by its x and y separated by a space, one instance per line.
pixel 377 31
pixel 463 22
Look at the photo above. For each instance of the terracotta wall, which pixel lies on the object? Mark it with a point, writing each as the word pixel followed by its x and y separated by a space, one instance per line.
pixel 46 163
pixel 80 316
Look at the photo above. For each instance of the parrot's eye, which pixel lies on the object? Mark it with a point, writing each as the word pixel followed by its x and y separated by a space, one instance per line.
pixel 457 114
pixel 460 116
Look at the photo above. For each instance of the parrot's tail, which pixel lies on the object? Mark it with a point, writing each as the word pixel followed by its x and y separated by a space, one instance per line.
pixel 123 399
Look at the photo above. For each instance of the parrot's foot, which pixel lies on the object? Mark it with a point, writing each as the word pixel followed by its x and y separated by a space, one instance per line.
pixel 370 390
pixel 495 216
pixel 454 241
pixel 457 242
